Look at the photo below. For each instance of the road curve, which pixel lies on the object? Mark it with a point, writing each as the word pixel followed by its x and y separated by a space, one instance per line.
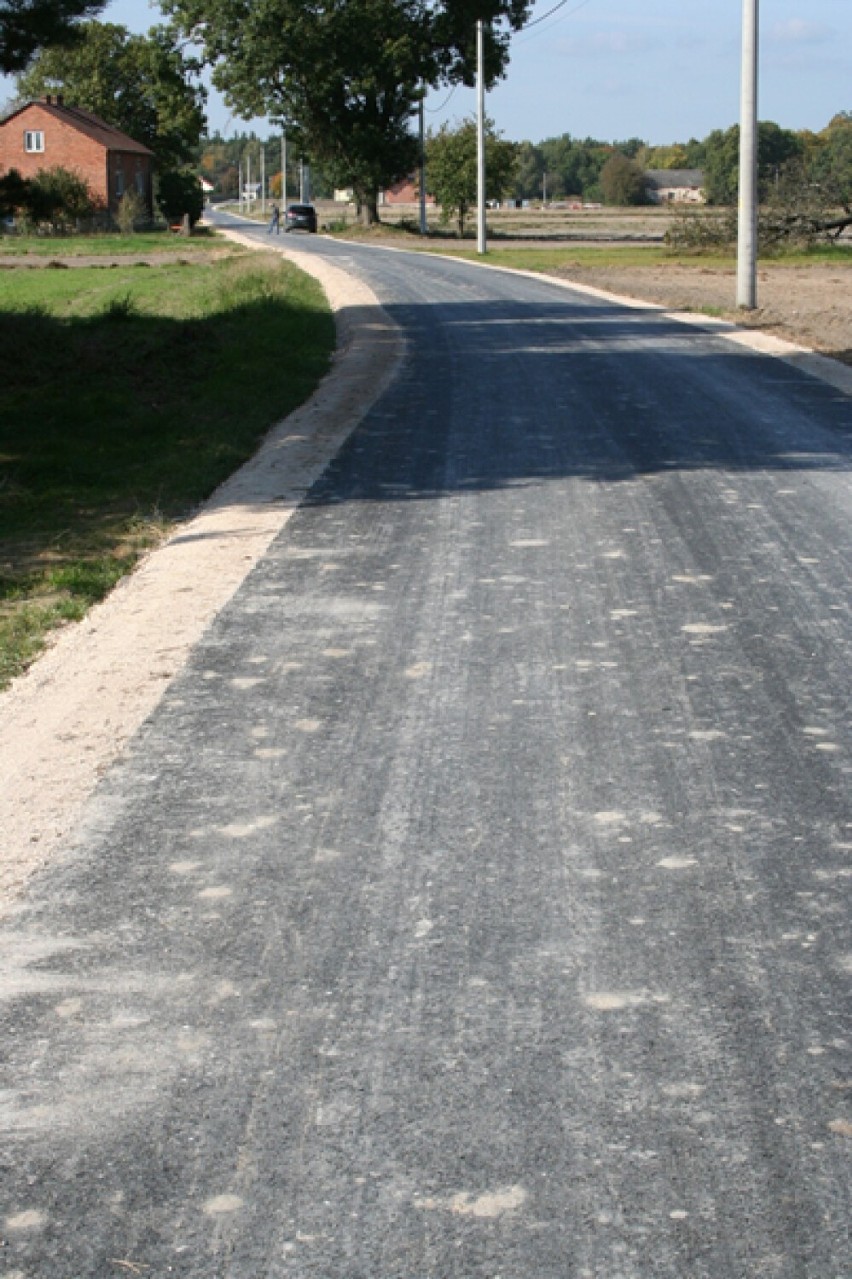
pixel 475 903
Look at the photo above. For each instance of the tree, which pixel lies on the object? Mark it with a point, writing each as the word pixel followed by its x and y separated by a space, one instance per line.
pixel 775 147
pixel 574 167
pixel 29 25
pixel 452 170
pixel 180 195
pixel 812 198
pixel 529 171
pixel 348 74
pixel 830 162
pixel 140 84
pixel 671 157
pixel 623 181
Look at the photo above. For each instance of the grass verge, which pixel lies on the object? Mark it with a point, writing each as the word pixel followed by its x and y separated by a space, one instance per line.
pixel 126 396
pixel 108 244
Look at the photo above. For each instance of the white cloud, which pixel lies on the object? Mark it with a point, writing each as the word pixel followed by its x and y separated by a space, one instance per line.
pixel 797 31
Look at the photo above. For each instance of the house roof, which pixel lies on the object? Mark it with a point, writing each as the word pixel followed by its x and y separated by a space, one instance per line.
pixel 674 178
pixel 93 126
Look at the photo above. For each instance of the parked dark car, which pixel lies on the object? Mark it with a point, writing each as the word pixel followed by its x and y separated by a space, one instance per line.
pixel 300 217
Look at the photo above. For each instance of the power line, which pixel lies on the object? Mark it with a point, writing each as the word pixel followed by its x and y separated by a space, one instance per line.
pixel 434 110
pixel 555 9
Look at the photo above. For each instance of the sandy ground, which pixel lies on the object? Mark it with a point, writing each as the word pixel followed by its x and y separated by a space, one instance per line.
pixel 65 722
pixel 811 306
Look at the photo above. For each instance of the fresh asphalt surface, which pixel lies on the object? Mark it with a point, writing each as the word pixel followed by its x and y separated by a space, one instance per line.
pixel 475 904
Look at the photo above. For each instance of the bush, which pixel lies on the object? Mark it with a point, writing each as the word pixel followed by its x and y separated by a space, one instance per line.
pixel 60 197
pixel 702 232
pixel 180 194
pixel 131 211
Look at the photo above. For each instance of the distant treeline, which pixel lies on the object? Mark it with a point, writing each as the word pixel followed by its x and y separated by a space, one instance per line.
pixel 565 167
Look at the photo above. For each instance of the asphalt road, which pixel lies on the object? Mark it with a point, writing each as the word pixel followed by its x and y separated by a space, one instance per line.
pixel 475 904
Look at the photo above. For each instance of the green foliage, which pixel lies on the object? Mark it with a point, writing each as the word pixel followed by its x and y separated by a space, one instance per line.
pixel 131 212
pixel 178 194
pixel 829 159
pixel 346 76
pixel 451 168
pixel 29 25
pixel 13 193
pixel 573 168
pixel 59 197
pixel 142 85
pixel 125 397
pixel 623 181
pixel 775 147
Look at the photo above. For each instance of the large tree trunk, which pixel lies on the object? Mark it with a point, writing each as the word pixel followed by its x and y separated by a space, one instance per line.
pixel 369 209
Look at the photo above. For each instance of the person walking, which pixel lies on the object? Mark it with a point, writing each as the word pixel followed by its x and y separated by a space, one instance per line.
pixel 274 221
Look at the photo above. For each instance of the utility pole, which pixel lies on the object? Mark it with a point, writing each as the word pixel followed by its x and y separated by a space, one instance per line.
pixel 422 179
pixel 747 222
pixel 263 179
pixel 284 169
pixel 480 138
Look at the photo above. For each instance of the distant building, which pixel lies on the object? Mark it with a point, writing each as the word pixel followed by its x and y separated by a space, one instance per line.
pixel 675 186
pixel 49 135
pixel 404 192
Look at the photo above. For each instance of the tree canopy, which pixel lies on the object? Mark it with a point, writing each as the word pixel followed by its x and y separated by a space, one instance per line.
pixel 29 25
pixel 347 74
pixel 775 147
pixel 140 84
pixel 623 181
pixel 452 171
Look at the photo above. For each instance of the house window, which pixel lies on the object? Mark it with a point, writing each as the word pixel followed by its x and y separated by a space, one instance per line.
pixel 119 183
pixel 34 140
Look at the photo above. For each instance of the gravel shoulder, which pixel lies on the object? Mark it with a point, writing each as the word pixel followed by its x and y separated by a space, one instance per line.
pixel 69 717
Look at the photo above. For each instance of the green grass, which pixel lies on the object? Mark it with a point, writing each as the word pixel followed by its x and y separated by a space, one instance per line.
pixel 127 395
pixel 109 243
pixel 558 258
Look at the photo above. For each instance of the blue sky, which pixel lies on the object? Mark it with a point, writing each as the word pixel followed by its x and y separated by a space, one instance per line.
pixel 661 70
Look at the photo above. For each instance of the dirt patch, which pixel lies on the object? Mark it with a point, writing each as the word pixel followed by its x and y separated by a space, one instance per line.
pixel 31 261
pixel 809 305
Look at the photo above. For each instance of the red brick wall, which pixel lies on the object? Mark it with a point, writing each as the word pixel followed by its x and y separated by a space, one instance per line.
pixel 63 146
pixel 66 147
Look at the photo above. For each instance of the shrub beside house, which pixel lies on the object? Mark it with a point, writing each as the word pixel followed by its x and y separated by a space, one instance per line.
pixel 48 135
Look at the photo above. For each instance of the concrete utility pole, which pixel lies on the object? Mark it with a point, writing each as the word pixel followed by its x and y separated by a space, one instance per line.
pixel 747 226
pixel 284 169
pixel 480 138
pixel 263 179
pixel 423 226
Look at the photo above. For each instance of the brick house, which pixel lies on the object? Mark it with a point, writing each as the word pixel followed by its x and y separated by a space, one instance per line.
pixel 48 134
pixel 404 192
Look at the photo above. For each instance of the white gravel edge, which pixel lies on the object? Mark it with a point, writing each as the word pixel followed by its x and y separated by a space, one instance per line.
pixel 65 721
